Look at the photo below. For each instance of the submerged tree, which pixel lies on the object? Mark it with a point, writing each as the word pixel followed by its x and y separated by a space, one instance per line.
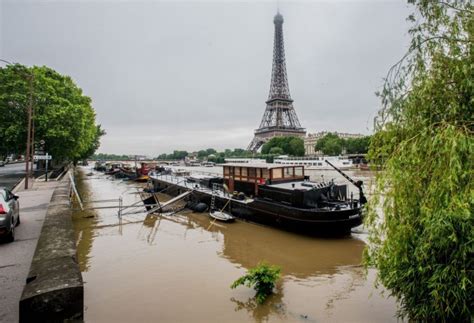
pixel 262 278
pixel 423 246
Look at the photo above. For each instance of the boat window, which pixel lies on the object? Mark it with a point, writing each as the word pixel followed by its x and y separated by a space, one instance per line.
pixel 237 171
pixel 277 173
pixel 251 172
pixel 258 173
pixel 288 172
pixel 298 171
pixel 265 173
pixel 244 172
pixel 226 170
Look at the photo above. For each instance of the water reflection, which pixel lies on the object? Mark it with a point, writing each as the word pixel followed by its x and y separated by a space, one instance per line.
pixel 274 306
pixel 246 244
pixel 149 228
pixel 84 223
pixel 307 261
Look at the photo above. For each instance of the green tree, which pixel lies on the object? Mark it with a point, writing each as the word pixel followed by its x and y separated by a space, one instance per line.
pixel 102 156
pixel 276 151
pixel 228 152
pixel 202 154
pixel 290 145
pixel 63 116
pixel 423 245
pixel 357 145
pixel 296 146
pixel 99 132
pixel 211 151
pixel 178 154
pixel 238 152
pixel 161 157
pixel 330 144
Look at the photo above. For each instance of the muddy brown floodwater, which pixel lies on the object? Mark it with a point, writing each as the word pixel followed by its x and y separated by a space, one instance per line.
pixel 179 268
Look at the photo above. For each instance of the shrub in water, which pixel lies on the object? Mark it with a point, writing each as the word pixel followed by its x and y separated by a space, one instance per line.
pixel 262 278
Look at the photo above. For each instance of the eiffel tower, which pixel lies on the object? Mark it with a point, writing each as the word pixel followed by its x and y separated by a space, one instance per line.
pixel 280 117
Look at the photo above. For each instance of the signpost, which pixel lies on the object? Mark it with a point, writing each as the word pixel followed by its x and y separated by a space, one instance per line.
pixel 45 157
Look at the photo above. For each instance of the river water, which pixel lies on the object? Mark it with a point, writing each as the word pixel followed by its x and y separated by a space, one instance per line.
pixel 179 268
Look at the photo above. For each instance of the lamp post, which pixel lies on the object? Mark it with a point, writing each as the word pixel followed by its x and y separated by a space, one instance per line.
pixel 29 77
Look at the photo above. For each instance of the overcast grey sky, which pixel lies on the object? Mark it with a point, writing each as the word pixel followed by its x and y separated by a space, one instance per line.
pixel 189 75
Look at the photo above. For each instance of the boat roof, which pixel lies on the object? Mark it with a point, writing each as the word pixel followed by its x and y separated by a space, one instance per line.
pixel 202 176
pixel 259 165
pixel 298 185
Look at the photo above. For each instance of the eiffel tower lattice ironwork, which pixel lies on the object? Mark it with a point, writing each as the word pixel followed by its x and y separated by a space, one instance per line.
pixel 280 117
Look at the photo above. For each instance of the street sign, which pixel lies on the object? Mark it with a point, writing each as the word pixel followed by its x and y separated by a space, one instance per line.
pixel 42 157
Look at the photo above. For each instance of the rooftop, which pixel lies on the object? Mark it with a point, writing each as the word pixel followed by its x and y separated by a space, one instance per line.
pixel 259 165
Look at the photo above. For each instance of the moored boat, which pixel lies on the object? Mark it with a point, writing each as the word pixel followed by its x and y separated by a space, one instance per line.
pixel 272 194
pixel 99 166
pixel 127 172
pixel 221 216
pixel 112 168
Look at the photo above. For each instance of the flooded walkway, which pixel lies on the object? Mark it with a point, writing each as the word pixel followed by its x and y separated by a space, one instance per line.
pixel 179 268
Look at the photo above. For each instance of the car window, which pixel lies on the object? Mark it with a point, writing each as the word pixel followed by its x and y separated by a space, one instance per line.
pixel 8 195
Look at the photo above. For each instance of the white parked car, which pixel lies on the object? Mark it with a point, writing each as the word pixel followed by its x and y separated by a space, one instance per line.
pixel 9 214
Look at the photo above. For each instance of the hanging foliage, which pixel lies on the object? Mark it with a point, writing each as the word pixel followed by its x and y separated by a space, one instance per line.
pixel 423 245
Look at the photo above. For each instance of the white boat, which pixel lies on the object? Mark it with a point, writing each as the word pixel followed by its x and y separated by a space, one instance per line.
pixel 316 163
pixel 208 164
pixel 180 172
pixel 221 216
pixel 193 163
pixel 245 160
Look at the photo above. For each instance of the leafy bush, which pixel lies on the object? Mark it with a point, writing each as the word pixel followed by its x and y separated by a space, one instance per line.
pixel 262 278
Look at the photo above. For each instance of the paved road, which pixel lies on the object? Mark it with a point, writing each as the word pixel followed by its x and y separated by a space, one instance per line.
pixel 11 174
pixel 15 257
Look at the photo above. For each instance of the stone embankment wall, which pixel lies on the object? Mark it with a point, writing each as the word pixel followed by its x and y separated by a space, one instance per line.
pixel 54 291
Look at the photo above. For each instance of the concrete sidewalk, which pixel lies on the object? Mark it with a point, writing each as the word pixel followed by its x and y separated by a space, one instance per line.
pixel 15 258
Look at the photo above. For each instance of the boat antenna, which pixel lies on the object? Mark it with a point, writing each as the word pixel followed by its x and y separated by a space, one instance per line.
pixel 357 184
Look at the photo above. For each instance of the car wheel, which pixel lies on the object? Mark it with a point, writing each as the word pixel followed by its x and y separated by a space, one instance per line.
pixel 11 234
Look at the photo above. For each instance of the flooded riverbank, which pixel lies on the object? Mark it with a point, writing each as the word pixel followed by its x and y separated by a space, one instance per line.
pixel 180 267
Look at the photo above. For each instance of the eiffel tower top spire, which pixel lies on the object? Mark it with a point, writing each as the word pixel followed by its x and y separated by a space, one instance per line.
pixel 279 88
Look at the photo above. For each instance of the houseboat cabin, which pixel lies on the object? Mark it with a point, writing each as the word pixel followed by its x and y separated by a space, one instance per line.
pixel 247 177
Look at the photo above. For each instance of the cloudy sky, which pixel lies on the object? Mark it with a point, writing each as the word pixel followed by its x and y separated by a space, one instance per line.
pixel 167 75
